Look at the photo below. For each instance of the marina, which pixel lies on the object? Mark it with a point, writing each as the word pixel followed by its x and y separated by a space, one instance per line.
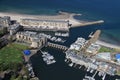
pixel 29 16
pixel 47 58
pixel 30 70
pixel 52 38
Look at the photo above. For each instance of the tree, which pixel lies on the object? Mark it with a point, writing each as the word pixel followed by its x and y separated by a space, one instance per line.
pixel 13 77
pixel 4 30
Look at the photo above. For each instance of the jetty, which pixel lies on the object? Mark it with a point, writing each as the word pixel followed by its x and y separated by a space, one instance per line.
pixel 91 23
pixel 47 58
pixel 57 46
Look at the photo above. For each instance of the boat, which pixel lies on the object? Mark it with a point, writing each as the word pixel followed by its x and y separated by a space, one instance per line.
pixel 90 35
pixel 88 69
pixel 65 60
pixel 49 59
pixel 71 64
pixel 100 73
pixel 103 78
pixel 75 64
pixel 88 78
pixel 30 69
pixel 53 38
pixel 80 67
pixel 59 40
pixel 91 71
pixel 62 34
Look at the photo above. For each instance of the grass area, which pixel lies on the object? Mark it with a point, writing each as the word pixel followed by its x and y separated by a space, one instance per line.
pixel 12 53
pixel 105 49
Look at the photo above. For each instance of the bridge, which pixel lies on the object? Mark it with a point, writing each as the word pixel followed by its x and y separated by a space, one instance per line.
pixel 57 46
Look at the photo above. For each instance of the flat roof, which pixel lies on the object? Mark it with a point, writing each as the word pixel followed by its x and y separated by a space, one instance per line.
pixel 62 21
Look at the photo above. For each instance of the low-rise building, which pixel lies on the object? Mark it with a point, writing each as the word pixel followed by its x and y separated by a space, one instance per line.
pixel 93 48
pixel 36 24
pixel 79 43
pixel 104 55
pixel 14 28
pixel 31 38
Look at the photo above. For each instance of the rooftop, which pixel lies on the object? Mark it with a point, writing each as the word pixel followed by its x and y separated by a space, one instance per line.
pixel 61 21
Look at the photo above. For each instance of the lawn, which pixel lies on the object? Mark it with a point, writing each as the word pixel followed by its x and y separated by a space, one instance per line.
pixel 12 53
pixel 105 49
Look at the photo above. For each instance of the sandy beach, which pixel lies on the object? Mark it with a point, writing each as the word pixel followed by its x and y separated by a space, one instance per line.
pixel 107 44
pixel 60 16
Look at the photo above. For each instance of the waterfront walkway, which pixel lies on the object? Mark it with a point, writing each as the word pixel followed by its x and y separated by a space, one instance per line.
pixel 57 46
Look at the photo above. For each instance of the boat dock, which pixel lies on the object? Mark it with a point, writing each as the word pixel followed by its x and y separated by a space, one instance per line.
pixel 47 58
pixel 57 46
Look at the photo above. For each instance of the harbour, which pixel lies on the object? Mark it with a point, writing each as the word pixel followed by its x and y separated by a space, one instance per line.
pixel 60 70
pixel 61 67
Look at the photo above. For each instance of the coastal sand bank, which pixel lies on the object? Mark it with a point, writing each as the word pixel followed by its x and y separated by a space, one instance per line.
pixel 106 44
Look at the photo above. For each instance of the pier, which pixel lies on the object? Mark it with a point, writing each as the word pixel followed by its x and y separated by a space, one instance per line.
pixel 57 46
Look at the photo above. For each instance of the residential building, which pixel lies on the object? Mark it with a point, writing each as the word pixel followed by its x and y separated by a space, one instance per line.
pixel 31 38
pixel 14 28
pixel 35 24
pixel 5 21
pixel 93 48
pixel 79 43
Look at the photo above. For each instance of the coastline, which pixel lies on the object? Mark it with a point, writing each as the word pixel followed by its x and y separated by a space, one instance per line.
pixel 60 16
pixel 106 44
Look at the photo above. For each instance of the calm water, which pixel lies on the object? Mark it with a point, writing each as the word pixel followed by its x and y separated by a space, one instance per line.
pixel 108 10
pixel 91 9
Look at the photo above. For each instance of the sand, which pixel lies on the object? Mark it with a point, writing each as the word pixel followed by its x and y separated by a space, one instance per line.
pixel 60 16
pixel 107 44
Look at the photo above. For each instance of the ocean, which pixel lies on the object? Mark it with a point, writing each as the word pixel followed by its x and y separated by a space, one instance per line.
pixel 92 10
pixel 107 10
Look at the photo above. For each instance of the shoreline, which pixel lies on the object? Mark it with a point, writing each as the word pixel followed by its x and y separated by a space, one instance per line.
pixel 106 44
pixel 60 16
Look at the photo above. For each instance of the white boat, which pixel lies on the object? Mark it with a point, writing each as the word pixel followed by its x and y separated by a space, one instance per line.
pixel 53 38
pixel 89 78
pixel 59 40
pixel 71 64
pixel 49 59
pixel 100 73
pixel 80 67
pixel 88 69
pixel 91 71
pixel 65 60
pixel 103 78
pixel 62 34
